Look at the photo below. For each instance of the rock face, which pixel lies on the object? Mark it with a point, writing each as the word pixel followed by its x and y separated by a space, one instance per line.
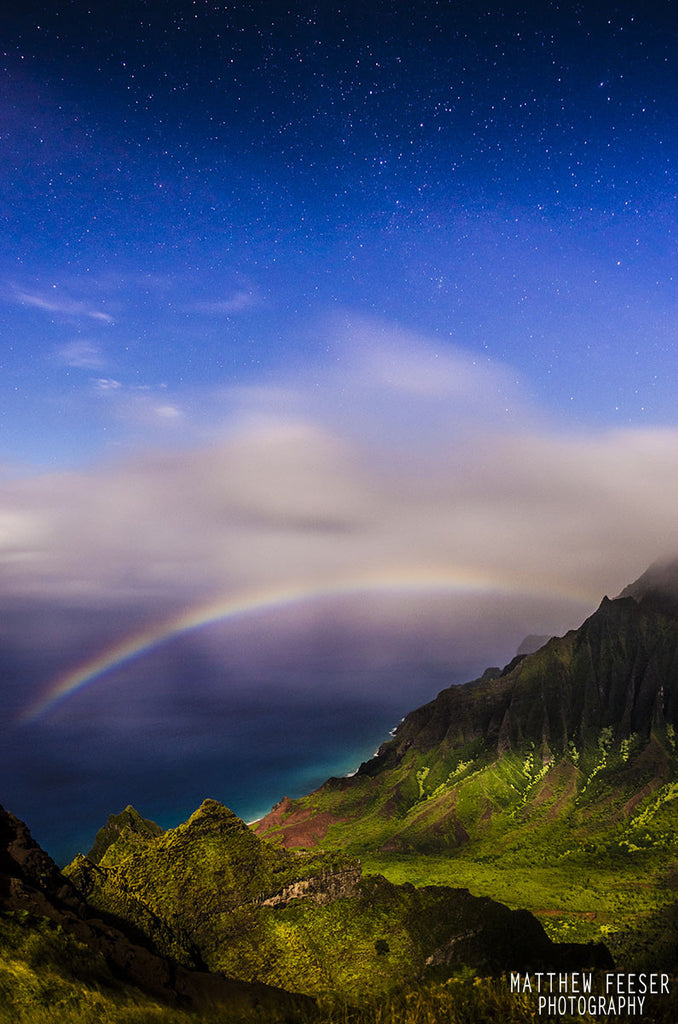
pixel 32 886
pixel 618 671
pixel 29 878
pixel 322 889
pixel 210 892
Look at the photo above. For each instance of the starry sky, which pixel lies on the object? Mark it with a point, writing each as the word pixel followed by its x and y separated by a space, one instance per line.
pixel 190 190
pixel 289 291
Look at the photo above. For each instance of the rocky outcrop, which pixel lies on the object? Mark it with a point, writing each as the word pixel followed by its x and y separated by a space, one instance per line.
pixel 321 889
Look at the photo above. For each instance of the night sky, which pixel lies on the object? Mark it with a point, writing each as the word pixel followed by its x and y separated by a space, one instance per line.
pixel 369 302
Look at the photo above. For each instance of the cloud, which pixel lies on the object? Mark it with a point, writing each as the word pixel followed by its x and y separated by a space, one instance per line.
pixel 82 355
pixel 62 304
pixel 395 457
pixel 139 407
pixel 168 412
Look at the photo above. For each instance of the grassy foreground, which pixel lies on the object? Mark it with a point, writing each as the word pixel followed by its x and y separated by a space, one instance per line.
pixel 46 977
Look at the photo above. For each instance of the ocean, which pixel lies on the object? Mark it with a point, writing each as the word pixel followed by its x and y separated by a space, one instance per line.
pixel 185 723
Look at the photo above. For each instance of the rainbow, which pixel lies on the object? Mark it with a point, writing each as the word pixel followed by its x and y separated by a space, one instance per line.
pixel 262 601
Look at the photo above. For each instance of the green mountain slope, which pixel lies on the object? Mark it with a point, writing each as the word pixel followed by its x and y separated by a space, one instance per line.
pixel 130 819
pixel 211 894
pixel 61 962
pixel 550 785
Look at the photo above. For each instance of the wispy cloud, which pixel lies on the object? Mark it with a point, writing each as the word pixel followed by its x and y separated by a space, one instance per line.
pixel 82 355
pixel 165 411
pixel 61 304
pixel 139 406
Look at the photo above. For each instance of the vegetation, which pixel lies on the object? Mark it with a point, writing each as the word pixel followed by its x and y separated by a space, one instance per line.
pixel 47 976
pixel 211 894
pixel 548 839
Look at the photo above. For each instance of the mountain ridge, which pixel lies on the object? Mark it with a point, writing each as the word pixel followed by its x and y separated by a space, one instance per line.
pixel 49 909
pixel 532 700
pixel 565 758
pixel 211 893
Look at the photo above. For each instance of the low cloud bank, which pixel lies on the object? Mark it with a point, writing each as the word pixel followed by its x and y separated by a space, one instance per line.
pixel 394 456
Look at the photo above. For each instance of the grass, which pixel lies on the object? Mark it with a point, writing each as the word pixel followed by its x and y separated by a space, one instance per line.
pixel 468 999
pixel 46 977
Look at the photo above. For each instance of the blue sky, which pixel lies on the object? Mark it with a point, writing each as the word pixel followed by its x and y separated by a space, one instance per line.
pixel 294 296
pixel 191 191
